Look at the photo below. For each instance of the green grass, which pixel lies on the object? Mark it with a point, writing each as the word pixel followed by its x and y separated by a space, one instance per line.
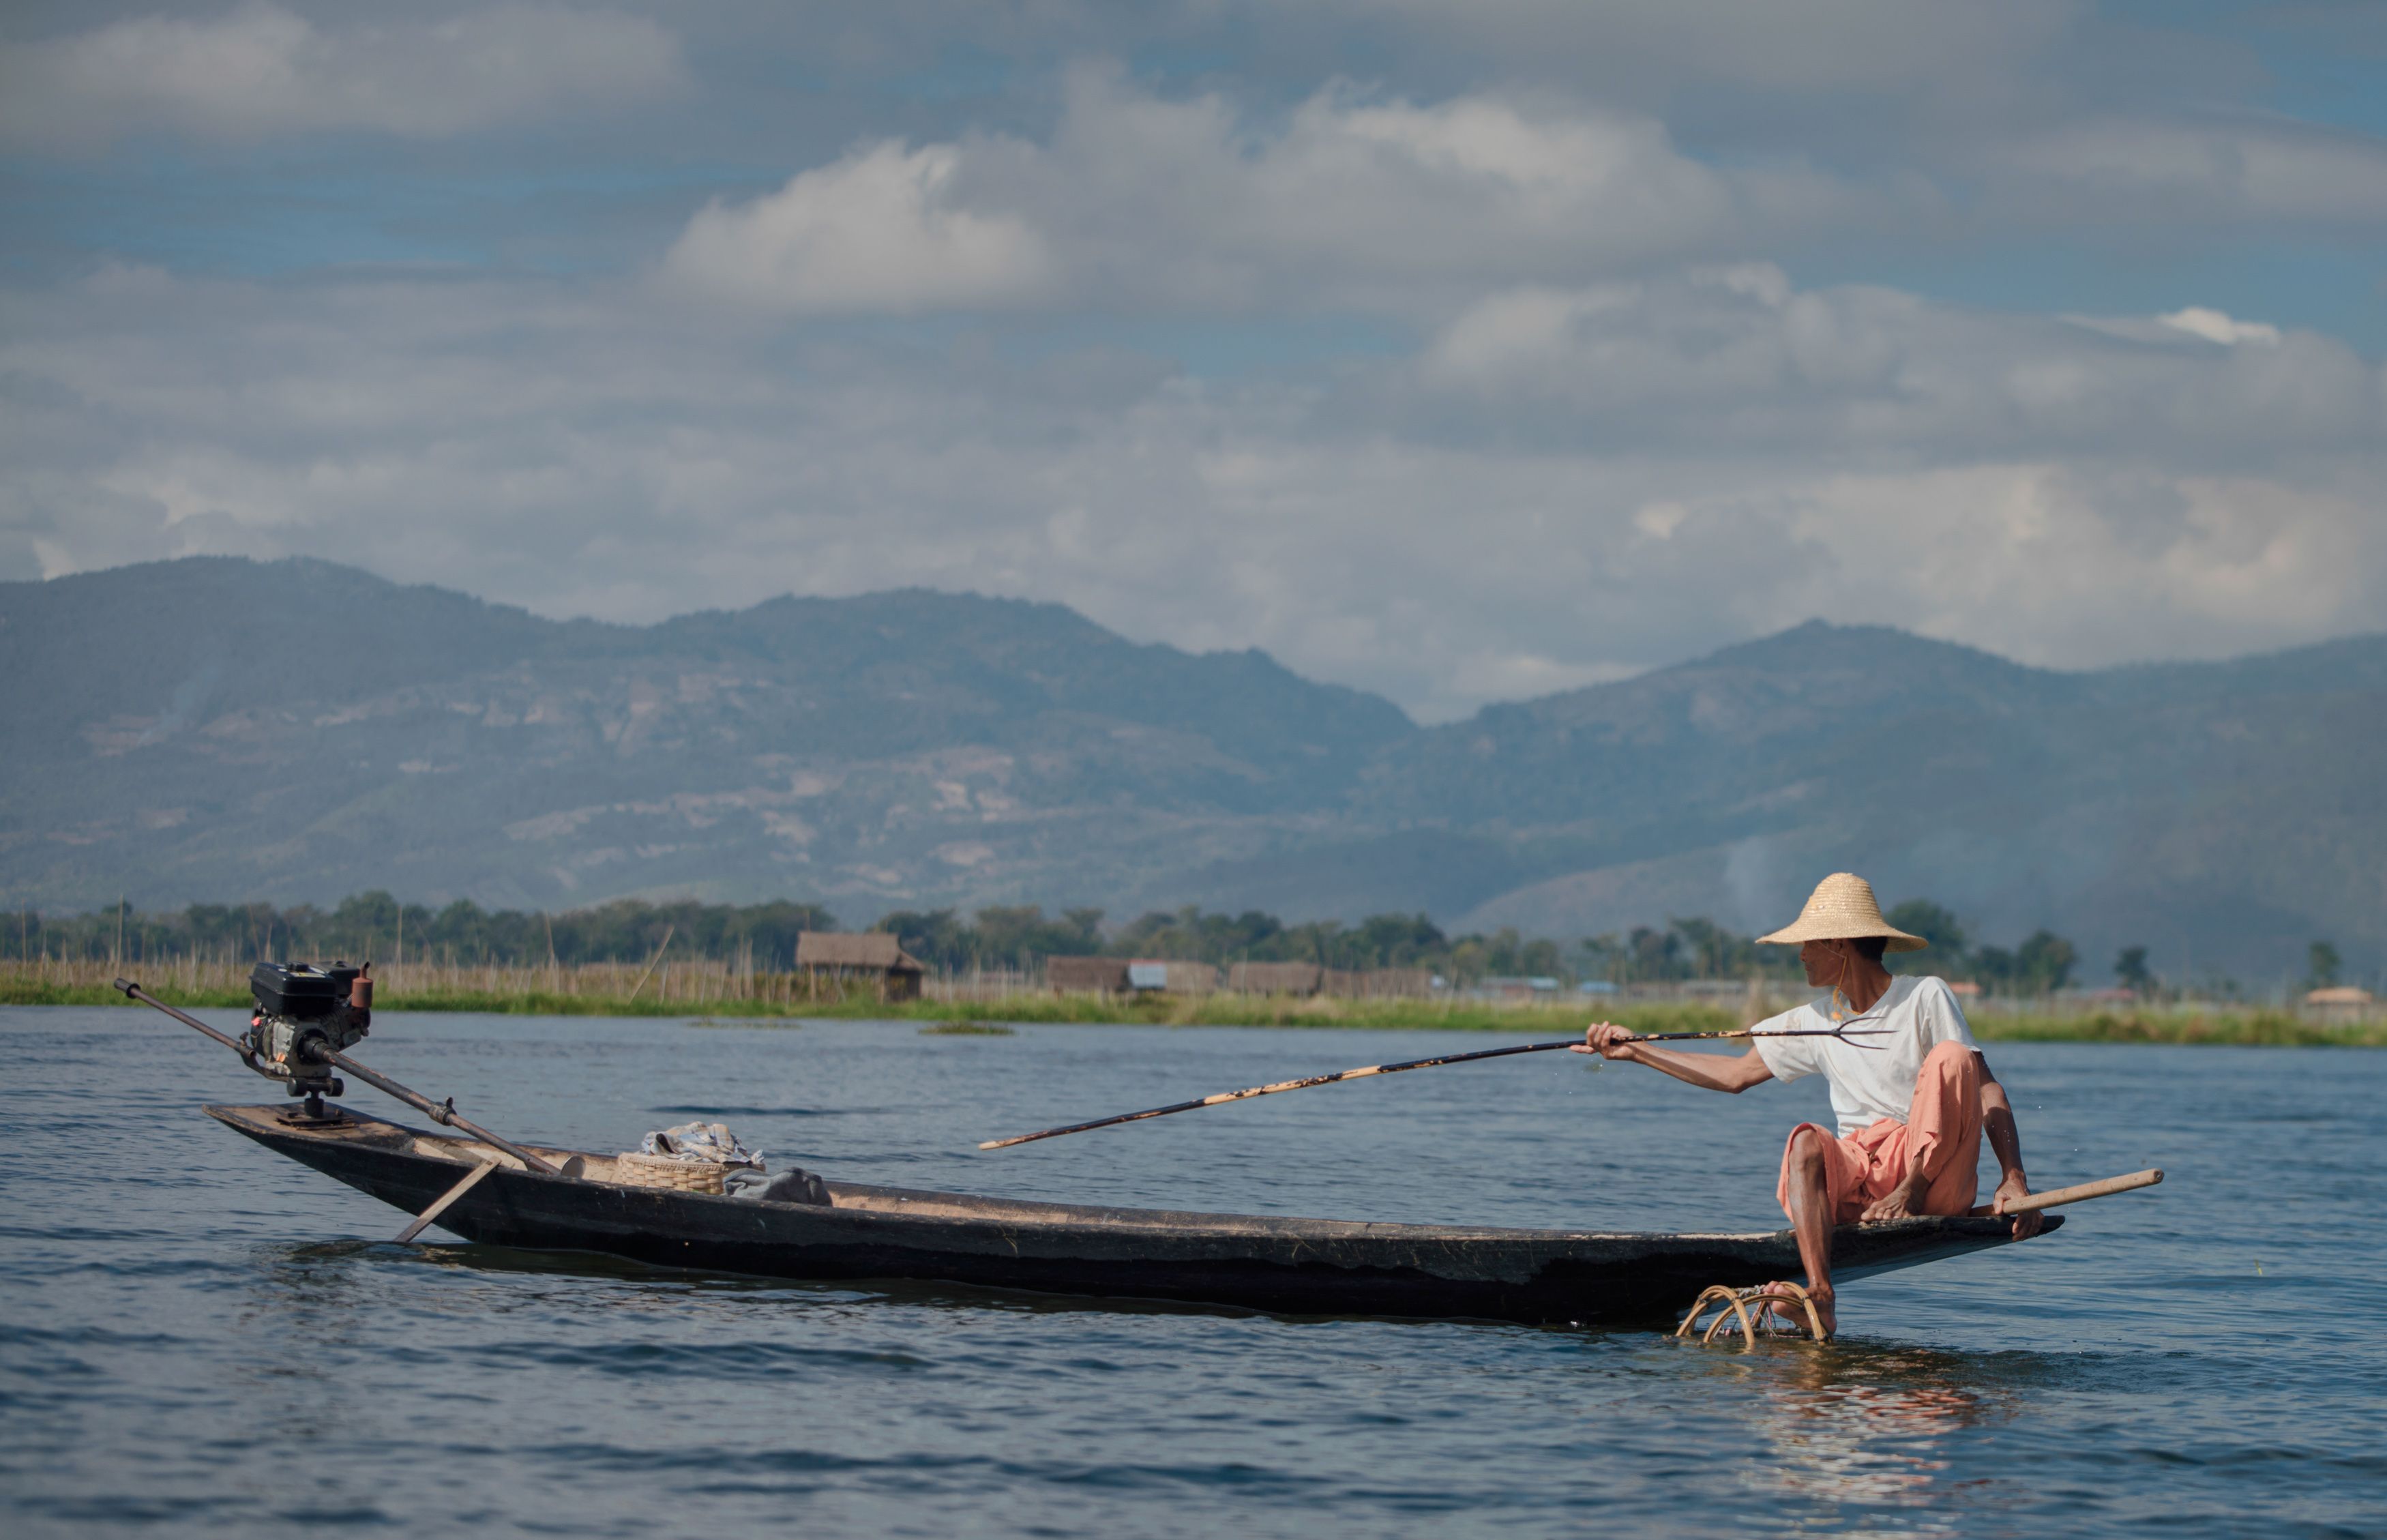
pixel 26 991
pixel 2250 1026
pixel 1236 1010
pixel 18 990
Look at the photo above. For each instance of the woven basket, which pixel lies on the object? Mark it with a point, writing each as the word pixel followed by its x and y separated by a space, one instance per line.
pixel 634 1170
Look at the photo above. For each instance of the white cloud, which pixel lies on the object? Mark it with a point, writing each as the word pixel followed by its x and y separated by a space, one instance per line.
pixel 1732 360
pixel 1617 435
pixel 879 231
pixel 2217 326
pixel 1694 460
pixel 1351 201
pixel 2065 566
pixel 260 70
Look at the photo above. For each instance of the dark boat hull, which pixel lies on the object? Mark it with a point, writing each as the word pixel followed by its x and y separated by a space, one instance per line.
pixel 1286 1266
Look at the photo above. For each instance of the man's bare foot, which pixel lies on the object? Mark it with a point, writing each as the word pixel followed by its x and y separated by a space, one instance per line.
pixel 1901 1202
pixel 1783 1304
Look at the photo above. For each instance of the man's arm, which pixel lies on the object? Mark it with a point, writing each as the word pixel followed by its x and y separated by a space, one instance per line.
pixel 2006 1141
pixel 1714 1071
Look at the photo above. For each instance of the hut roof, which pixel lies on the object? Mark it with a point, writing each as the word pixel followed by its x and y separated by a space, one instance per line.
pixel 871 949
pixel 1274 978
pixel 1086 973
pixel 2338 994
pixel 1396 983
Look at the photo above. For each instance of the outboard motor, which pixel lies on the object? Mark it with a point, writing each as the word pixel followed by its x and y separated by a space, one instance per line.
pixel 304 1009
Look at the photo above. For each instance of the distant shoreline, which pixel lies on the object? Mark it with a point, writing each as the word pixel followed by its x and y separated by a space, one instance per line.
pixel 2249 1027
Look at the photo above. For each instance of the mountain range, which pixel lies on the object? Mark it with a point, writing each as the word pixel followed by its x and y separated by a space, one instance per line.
pixel 215 728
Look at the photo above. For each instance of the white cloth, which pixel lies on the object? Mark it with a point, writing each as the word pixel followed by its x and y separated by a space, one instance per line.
pixel 701 1142
pixel 1869 1083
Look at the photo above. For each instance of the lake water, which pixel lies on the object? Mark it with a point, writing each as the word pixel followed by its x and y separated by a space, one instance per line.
pixel 196 1334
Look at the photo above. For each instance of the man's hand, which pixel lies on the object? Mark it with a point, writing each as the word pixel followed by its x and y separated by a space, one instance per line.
pixel 2017 1186
pixel 1609 1040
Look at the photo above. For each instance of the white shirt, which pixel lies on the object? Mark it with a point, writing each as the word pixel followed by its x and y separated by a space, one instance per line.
pixel 1869 1083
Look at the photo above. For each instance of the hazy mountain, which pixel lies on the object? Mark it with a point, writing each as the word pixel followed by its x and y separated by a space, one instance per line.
pixel 218 728
pixel 2223 814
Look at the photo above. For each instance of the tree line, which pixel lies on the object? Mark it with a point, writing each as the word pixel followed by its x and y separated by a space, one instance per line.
pixel 999 937
pixel 2041 963
pixel 373 925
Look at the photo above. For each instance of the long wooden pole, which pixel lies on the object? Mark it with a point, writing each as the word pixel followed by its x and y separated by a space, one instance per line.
pixel 669 932
pixel 1364 1071
pixel 2081 1194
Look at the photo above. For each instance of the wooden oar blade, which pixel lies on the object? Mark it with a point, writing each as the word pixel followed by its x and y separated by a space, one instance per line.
pixel 440 1205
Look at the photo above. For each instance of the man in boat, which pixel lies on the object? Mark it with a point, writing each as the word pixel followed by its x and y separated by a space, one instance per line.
pixel 1911 1091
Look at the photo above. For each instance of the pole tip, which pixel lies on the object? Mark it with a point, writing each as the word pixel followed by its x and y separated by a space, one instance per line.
pixel 125 987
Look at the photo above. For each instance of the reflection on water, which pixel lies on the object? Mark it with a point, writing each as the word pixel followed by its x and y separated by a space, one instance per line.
pixel 1868 1429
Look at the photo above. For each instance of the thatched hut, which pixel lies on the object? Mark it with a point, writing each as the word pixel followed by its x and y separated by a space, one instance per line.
pixel 1397 983
pixel 874 956
pixel 1086 975
pixel 1301 979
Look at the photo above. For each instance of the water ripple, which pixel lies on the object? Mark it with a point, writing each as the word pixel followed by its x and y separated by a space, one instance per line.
pixel 198 1337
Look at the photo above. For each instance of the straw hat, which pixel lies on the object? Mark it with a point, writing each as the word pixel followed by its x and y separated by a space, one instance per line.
pixel 1843 907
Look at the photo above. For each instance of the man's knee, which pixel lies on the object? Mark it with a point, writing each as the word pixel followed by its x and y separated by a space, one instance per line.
pixel 1806 1154
pixel 1958 1059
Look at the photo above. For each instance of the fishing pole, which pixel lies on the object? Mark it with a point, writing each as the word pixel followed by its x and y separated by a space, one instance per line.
pixel 1844 1033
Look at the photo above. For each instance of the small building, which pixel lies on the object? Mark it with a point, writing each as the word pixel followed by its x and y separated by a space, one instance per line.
pixel 1163 975
pixel 1301 979
pixel 1397 983
pixel 1511 987
pixel 873 956
pixel 1086 975
pixel 2340 1006
pixel 1965 989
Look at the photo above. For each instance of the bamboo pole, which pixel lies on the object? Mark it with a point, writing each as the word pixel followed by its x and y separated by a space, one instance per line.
pixel 1365 1071
pixel 669 932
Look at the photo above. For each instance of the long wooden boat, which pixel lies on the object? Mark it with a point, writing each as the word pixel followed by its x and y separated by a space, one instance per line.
pixel 1286 1266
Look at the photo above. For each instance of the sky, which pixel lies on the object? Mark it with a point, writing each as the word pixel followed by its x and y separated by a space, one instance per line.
pixel 1458 352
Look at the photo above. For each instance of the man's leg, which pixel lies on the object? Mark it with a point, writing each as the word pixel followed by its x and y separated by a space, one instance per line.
pixel 1816 1178
pixel 1943 1131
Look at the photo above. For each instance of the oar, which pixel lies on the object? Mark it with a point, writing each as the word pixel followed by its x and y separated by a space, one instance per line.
pixel 421 1221
pixel 2086 1190
pixel 1365 1070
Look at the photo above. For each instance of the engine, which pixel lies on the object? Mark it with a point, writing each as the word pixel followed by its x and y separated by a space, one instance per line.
pixel 303 1008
